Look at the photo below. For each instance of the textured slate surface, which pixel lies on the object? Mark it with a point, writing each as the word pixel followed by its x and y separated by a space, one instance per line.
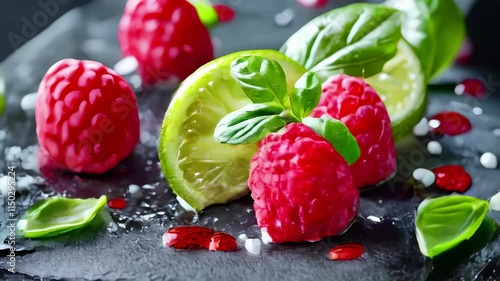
pixel 126 245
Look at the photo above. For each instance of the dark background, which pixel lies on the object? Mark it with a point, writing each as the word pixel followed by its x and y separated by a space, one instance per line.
pixel 483 22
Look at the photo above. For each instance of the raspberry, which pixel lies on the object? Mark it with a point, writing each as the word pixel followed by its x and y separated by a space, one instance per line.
pixel 359 107
pixel 302 187
pixel 166 37
pixel 86 115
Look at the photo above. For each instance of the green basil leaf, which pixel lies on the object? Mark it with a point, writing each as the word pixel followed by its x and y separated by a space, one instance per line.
pixel 262 80
pixel 443 223
pixel 57 215
pixel 249 124
pixel 434 28
pixel 305 95
pixel 357 40
pixel 336 133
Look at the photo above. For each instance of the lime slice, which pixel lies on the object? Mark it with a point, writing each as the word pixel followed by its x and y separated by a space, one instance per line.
pixel 199 170
pixel 401 84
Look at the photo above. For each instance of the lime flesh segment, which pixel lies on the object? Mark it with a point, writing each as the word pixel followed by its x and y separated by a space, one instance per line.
pixel 200 170
pixel 401 85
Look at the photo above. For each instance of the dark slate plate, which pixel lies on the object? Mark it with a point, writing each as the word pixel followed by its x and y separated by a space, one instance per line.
pixel 126 245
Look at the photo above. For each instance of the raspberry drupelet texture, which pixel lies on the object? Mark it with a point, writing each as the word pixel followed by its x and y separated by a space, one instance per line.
pixel 166 37
pixel 302 187
pixel 360 108
pixel 86 115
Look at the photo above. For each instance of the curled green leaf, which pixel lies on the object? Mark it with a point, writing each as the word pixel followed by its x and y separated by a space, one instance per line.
pixel 57 215
pixel 443 223
pixel 262 80
pixel 337 134
pixel 356 40
pixel 434 28
pixel 305 95
pixel 249 124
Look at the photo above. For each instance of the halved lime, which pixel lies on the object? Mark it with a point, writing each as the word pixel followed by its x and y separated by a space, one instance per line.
pixel 199 170
pixel 402 87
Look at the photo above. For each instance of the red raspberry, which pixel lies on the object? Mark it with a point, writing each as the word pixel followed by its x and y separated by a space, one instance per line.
pixel 86 115
pixel 359 107
pixel 166 37
pixel 302 187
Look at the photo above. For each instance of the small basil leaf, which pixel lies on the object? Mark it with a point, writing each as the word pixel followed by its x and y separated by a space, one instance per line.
pixel 57 215
pixel 357 40
pixel 434 28
pixel 262 80
pixel 443 223
pixel 305 95
pixel 336 133
pixel 249 124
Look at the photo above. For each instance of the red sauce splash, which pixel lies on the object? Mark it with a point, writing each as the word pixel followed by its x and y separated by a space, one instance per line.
pixel 224 12
pixel 452 178
pixel 472 87
pixel 117 203
pixel 451 123
pixel 346 252
pixel 197 237
pixel 222 242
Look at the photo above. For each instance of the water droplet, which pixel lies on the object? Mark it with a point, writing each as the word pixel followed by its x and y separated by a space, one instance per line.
pixel 426 177
pixel 495 202
pixel 285 17
pixel 434 148
pixel 489 160
pixel 452 178
pixel 28 102
pixel 126 66
pixel 422 128
pixel 253 246
pixel 133 188
pixel 112 227
pixel 450 123
pixel 496 132
pixel 346 252
pixel 472 87
pixel 117 203
pixel 477 110
pixel 374 219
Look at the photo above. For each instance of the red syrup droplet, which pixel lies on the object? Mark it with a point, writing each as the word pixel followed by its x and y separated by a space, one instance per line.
pixel 313 3
pixel 188 237
pixel 222 242
pixel 452 178
pixel 224 12
pixel 465 54
pixel 346 252
pixel 472 87
pixel 117 203
pixel 450 123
